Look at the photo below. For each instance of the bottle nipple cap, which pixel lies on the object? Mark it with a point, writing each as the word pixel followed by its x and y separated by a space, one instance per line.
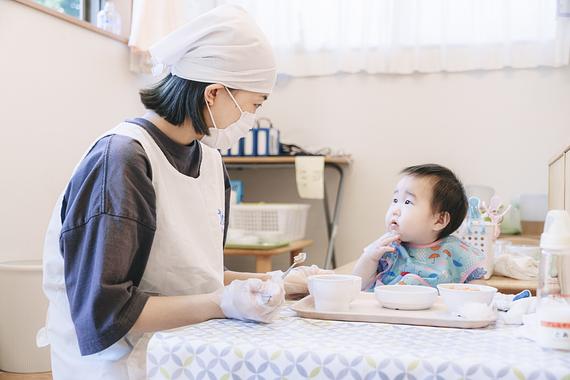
pixel 556 233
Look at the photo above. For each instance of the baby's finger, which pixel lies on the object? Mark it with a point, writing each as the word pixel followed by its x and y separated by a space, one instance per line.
pixel 390 239
pixel 386 235
pixel 377 254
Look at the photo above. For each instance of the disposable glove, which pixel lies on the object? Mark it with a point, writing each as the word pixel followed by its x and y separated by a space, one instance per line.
pixel 296 281
pixel 252 300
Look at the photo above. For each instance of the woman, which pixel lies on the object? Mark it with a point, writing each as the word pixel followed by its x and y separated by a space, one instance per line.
pixel 135 243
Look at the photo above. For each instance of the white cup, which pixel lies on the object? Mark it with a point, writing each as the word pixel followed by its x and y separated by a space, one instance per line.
pixel 334 292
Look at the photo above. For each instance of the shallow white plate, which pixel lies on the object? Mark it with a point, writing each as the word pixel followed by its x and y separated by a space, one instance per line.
pixel 405 297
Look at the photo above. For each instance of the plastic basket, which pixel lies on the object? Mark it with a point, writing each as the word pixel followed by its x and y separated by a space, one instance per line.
pixel 269 222
pixel 480 235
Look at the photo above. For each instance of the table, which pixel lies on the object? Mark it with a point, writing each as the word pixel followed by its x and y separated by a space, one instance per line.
pixel 337 163
pixel 263 256
pixel 296 348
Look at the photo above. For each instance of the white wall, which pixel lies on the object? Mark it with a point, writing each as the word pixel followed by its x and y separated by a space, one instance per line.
pixel 62 86
pixel 498 128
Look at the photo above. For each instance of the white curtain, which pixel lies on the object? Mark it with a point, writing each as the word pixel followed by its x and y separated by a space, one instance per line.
pixel 154 19
pixel 322 37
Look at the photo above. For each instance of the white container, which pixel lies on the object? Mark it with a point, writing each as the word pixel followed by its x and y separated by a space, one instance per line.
pixel 405 297
pixel 270 222
pixel 501 247
pixel 553 292
pixel 23 310
pixel 455 296
pixel 480 235
pixel 334 292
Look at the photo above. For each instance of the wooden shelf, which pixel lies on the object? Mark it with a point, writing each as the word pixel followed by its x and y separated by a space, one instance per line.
pixel 524 239
pixel 263 256
pixel 509 285
pixel 341 160
pixel 336 163
pixel 25 376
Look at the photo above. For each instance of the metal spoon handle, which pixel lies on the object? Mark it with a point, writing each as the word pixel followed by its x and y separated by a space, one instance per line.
pixel 288 270
pixel 299 259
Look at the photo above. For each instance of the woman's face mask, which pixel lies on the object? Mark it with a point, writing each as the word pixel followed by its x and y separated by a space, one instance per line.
pixel 229 136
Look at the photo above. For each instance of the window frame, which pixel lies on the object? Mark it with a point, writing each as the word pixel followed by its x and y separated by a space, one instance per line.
pixel 86 12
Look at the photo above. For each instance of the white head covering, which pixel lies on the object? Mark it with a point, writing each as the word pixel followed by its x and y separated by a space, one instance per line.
pixel 223 46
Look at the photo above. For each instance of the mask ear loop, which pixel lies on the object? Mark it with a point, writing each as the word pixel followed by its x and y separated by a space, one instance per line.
pixel 211 115
pixel 234 99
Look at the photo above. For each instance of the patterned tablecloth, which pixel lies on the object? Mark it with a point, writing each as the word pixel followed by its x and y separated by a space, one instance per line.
pixel 296 348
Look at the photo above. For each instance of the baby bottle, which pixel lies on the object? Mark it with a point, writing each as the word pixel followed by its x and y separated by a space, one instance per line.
pixel 553 310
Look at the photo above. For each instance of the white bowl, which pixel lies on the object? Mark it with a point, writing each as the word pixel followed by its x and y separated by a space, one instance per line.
pixel 405 297
pixel 455 296
pixel 334 292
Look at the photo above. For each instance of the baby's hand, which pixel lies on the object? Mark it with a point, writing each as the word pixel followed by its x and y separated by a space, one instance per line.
pixel 375 250
pixel 367 264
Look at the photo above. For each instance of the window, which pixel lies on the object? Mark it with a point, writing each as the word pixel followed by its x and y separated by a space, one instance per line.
pixel 84 13
pixel 321 37
pixel 80 9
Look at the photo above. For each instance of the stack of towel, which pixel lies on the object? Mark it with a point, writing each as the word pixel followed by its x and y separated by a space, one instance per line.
pixel 516 266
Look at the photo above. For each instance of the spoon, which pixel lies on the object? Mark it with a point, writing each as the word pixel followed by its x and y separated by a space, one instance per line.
pixel 298 259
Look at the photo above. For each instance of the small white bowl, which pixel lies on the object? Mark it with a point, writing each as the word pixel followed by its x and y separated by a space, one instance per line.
pixel 457 295
pixel 334 292
pixel 405 297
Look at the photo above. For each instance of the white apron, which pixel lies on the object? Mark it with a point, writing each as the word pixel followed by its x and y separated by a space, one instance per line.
pixel 186 258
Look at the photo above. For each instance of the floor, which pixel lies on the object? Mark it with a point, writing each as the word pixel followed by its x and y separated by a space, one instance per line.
pixel 25 376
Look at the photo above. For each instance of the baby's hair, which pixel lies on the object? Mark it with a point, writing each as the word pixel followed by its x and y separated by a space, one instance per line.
pixel 448 194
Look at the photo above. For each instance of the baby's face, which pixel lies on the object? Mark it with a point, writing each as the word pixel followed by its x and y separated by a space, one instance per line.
pixel 410 214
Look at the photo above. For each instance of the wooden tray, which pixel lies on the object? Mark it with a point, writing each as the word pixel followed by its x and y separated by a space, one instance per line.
pixel 367 309
pixel 260 246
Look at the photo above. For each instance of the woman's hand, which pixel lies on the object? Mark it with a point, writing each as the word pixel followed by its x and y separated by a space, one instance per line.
pixel 367 265
pixel 252 299
pixel 296 281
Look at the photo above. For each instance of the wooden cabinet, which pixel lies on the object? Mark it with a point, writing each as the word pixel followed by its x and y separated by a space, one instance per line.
pixel 559 181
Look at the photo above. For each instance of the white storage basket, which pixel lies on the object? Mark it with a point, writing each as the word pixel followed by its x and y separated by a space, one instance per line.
pixel 480 235
pixel 270 222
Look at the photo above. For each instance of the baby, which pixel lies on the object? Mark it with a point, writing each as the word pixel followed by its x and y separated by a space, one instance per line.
pixel 428 205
